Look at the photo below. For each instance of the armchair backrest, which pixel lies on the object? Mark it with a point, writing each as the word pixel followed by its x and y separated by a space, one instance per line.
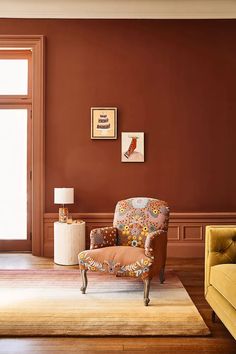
pixel 136 217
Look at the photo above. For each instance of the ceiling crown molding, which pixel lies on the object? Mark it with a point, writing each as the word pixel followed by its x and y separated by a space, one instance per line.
pixel 118 9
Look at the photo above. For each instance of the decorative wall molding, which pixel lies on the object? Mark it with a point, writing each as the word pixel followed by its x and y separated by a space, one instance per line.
pixel 138 9
pixel 185 237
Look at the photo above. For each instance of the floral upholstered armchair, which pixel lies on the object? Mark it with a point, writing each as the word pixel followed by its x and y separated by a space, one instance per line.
pixel 135 246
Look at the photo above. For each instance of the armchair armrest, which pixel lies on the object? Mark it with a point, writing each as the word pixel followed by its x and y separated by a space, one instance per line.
pixel 220 248
pixel 103 237
pixel 151 242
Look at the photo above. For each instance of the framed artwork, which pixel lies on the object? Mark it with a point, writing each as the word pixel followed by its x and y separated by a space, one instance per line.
pixel 103 123
pixel 132 147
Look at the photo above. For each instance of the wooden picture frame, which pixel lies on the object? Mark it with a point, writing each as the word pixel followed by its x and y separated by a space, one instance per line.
pixel 103 123
pixel 132 147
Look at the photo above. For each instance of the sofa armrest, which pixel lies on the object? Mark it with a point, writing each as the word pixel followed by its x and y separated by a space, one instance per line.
pixel 220 248
pixel 103 237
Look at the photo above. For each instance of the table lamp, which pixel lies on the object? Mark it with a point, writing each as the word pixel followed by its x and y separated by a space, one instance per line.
pixel 63 196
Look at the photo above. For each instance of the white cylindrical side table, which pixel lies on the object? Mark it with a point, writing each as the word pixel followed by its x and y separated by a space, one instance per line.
pixel 69 241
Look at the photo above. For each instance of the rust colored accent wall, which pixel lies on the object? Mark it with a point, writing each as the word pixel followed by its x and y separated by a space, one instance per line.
pixel 173 79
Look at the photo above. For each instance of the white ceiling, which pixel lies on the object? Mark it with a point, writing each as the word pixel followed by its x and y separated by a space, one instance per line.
pixel 149 9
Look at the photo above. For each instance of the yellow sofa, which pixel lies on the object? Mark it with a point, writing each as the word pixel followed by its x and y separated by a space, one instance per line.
pixel 220 273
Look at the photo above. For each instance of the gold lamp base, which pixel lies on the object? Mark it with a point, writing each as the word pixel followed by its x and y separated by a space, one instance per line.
pixel 63 214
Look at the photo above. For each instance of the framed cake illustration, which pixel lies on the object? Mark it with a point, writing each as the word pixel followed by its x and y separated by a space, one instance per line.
pixel 132 147
pixel 103 123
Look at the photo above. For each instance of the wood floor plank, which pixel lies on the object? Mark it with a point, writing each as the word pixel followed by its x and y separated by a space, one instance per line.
pixel 190 272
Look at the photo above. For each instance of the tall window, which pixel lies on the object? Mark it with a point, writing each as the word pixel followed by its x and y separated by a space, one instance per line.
pixel 15 149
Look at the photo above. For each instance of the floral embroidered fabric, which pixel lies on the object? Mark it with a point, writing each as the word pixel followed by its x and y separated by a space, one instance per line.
pixel 103 237
pixel 135 218
pixel 121 264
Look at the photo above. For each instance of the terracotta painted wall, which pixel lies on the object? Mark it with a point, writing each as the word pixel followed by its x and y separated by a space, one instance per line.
pixel 174 80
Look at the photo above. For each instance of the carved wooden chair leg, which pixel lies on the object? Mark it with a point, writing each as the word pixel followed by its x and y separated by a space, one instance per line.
pixel 162 275
pixel 84 280
pixel 146 291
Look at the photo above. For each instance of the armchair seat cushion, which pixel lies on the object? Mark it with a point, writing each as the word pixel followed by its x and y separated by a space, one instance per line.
pixel 223 279
pixel 120 260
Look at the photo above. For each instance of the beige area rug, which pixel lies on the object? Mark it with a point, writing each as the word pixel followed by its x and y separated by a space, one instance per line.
pixel 49 302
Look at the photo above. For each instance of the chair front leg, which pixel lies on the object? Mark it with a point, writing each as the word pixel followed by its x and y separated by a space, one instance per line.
pixel 84 281
pixel 162 275
pixel 147 282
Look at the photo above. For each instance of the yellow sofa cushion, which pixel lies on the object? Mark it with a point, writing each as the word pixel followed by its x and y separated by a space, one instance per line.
pixel 223 278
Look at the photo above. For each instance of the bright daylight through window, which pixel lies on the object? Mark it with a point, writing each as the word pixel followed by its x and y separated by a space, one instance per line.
pixel 13 176
pixel 13 147
pixel 14 76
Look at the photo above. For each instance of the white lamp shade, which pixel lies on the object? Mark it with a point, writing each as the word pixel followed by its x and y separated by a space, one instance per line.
pixel 63 195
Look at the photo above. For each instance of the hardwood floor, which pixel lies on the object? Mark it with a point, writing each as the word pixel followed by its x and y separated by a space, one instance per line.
pixel 190 272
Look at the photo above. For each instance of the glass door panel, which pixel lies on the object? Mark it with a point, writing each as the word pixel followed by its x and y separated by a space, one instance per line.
pixel 10 69
pixel 16 149
pixel 14 178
